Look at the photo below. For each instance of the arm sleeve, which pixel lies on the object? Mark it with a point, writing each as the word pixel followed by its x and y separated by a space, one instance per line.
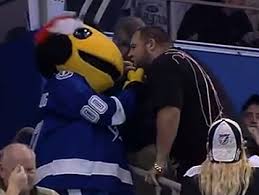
pixel 73 98
pixel 166 83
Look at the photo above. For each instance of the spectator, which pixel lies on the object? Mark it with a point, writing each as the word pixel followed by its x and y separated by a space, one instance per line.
pixel 182 100
pixel 18 172
pixel 252 14
pixel 252 38
pixel 226 170
pixel 215 25
pixel 123 31
pixel 251 112
pixel 250 118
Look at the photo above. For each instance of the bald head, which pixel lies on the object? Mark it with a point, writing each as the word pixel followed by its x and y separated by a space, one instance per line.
pixel 18 154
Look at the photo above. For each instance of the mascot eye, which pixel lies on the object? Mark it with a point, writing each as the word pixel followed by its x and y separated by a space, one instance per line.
pixel 82 33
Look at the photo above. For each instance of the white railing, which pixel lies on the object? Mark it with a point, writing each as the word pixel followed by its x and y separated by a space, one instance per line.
pixel 217 48
pixel 164 182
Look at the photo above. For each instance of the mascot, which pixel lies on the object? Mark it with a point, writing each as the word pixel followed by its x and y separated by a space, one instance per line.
pixel 79 149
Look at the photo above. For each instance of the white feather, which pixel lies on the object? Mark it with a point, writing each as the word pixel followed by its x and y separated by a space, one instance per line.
pixel 66 26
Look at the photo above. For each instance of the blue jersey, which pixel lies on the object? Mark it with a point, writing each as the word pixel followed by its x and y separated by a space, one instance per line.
pixel 77 144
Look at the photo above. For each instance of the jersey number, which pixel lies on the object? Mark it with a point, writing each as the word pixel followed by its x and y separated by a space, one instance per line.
pixel 95 107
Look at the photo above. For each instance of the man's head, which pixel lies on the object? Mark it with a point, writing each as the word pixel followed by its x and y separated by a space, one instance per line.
pixel 18 154
pixel 148 43
pixel 250 111
pixel 123 31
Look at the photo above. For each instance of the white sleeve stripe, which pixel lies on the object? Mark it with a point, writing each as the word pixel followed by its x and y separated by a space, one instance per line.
pixel 193 171
pixel 74 192
pixel 119 116
pixel 254 161
pixel 77 166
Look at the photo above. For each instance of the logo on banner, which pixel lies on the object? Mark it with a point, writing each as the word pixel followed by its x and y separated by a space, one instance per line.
pixel 154 13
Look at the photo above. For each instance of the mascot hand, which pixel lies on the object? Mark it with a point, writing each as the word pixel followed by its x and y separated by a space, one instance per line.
pixel 134 76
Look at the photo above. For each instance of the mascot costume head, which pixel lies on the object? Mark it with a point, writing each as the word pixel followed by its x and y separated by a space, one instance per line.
pixel 66 43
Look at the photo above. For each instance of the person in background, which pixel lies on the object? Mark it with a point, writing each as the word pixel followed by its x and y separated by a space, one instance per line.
pixel 123 31
pixel 250 119
pixel 218 25
pixel 252 38
pixel 226 169
pixel 18 172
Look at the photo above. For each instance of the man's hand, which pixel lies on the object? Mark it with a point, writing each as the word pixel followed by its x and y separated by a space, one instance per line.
pixel 167 123
pixel 153 174
pixel 128 65
pixel 254 130
pixel 17 181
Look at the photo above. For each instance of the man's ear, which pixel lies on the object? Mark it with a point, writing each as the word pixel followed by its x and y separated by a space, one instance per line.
pixel 151 44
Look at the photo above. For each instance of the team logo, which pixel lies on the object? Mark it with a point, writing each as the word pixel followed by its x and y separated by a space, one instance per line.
pixel 64 75
pixel 224 139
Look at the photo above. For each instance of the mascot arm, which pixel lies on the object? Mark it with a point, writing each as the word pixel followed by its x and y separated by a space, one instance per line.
pixel 74 98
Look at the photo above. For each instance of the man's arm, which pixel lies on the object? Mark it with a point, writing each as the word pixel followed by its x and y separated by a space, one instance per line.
pixel 167 120
pixel 167 94
pixel 167 125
